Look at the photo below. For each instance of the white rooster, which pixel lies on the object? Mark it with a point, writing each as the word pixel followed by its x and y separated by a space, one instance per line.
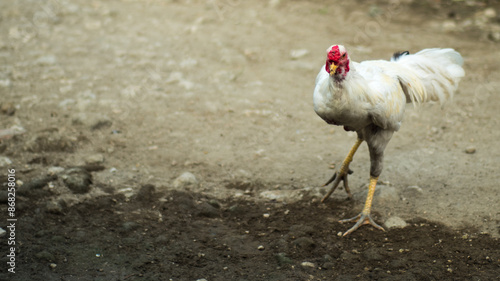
pixel 369 98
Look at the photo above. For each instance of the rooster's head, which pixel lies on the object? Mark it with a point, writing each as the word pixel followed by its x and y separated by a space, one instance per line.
pixel 337 61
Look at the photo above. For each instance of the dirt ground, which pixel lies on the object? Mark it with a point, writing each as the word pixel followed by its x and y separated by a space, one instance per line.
pixel 176 140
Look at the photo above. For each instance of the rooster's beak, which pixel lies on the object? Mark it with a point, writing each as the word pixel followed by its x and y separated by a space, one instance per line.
pixel 333 68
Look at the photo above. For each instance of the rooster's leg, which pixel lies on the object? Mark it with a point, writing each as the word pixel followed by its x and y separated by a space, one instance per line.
pixel 342 174
pixel 364 217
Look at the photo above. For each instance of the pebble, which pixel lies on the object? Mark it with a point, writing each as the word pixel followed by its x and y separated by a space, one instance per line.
pixel 260 248
pixel 470 150
pixel 308 264
pixel 2 232
pixel 55 170
pixel 395 222
pixel 5 161
pixel 53 265
pixel 94 159
pixel 187 179
pixel 282 195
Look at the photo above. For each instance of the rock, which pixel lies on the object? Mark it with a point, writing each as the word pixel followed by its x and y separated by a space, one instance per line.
pixel 185 180
pixel 78 180
pixel 5 161
pixel 2 232
pixel 470 150
pixel 308 264
pixel 282 195
pixel 282 259
pixel 395 222
pixel 52 265
pixel 94 159
pixel 55 170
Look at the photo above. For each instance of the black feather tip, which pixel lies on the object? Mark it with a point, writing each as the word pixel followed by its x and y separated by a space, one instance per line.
pixel 397 55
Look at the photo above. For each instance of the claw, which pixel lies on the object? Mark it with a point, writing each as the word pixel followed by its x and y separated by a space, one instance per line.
pixel 336 180
pixel 361 219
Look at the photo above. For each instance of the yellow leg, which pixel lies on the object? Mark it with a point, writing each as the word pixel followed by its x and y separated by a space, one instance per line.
pixel 364 217
pixel 342 174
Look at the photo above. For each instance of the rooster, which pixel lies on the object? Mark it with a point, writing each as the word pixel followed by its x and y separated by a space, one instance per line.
pixel 369 98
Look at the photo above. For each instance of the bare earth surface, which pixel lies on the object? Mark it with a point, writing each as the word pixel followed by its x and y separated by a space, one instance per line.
pixel 105 104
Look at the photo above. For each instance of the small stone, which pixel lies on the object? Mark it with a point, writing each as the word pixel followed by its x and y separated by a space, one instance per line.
pixel 308 264
pixel 4 161
pixel 260 248
pixel 2 232
pixel 266 215
pixel 187 179
pixel 53 265
pixel 55 170
pixel 470 150
pixel 395 222
pixel 94 159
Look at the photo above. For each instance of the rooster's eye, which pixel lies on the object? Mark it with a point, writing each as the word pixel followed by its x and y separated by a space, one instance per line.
pixel 343 56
